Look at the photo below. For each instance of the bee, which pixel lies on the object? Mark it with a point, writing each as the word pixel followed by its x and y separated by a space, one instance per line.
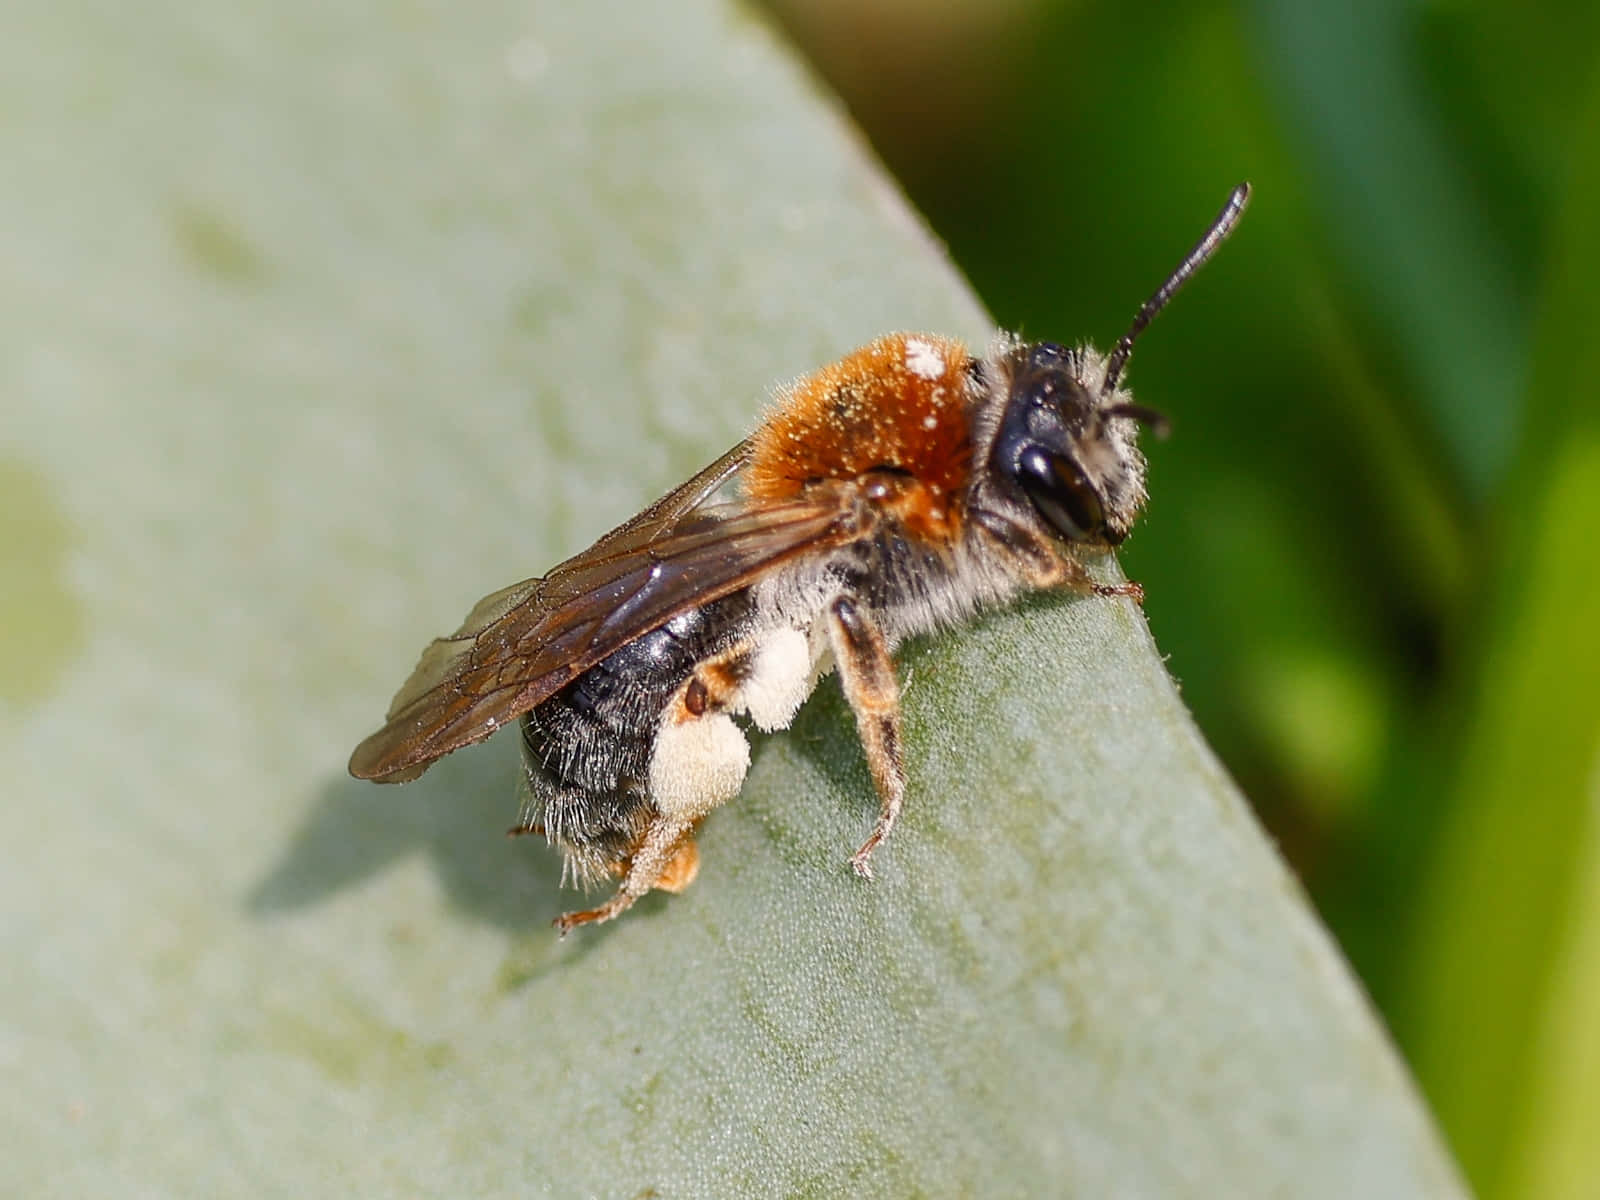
pixel 897 491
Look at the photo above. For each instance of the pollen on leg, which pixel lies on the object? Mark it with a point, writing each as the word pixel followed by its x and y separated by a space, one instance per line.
pixel 698 764
pixel 657 853
pixel 776 680
pixel 680 872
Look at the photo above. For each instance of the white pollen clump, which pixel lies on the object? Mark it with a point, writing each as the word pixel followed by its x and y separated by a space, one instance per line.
pixel 778 679
pixel 923 359
pixel 930 422
pixel 697 765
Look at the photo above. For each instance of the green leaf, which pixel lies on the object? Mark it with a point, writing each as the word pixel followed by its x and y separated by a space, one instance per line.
pixel 1402 208
pixel 1508 934
pixel 319 323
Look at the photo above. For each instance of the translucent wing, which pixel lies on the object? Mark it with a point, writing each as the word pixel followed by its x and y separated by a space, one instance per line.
pixel 520 646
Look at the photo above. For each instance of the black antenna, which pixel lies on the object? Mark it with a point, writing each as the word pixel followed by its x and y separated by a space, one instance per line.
pixel 1204 249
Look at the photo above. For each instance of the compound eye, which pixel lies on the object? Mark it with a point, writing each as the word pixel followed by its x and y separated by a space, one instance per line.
pixel 1062 493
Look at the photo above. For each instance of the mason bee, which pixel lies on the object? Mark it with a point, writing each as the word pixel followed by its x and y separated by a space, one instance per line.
pixel 894 492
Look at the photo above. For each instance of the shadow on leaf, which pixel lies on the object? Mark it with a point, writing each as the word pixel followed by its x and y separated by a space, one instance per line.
pixel 457 814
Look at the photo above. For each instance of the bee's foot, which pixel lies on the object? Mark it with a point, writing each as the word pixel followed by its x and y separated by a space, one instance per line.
pixel 861 860
pixel 1134 591
pixel 614 907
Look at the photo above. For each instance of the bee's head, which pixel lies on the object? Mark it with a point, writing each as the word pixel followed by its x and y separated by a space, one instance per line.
pixel 1069 445
pixel 1067 434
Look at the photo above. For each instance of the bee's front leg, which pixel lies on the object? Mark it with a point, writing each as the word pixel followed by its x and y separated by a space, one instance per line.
pixel 866 673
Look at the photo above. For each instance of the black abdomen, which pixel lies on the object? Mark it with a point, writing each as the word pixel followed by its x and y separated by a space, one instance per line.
pixel 587 749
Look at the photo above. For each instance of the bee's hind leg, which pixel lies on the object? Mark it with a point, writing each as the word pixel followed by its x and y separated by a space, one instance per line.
pixel 682 868
pixel 666 858
pixel 698 762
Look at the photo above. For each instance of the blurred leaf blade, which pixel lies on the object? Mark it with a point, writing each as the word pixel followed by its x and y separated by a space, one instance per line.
pixel 333 321
pixel 1413 232
pixel 1505 922
pixel 1555 1155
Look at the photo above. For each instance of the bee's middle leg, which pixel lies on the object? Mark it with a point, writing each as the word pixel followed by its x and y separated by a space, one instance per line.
pixel 866 672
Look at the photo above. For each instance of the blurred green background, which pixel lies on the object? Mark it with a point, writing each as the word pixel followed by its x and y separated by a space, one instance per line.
pixel 1370 553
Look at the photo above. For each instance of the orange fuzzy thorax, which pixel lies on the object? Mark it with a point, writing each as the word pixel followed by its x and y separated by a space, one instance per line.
pixel 899 402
